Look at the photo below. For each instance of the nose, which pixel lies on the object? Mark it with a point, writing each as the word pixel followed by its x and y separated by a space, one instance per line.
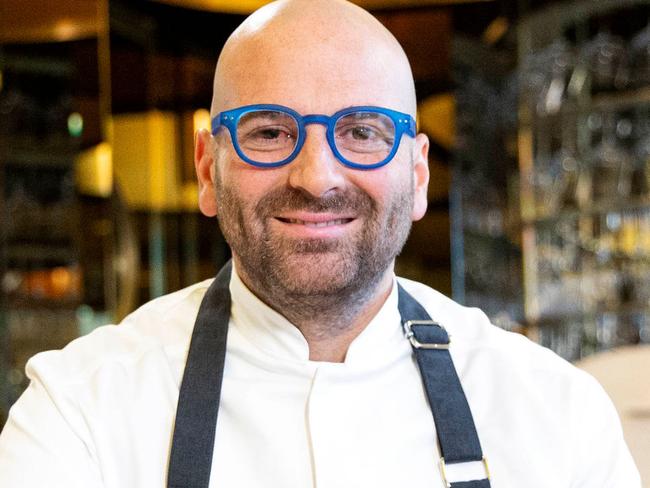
pixel 316 170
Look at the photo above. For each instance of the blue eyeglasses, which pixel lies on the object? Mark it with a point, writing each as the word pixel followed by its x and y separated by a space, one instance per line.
pixel 268 136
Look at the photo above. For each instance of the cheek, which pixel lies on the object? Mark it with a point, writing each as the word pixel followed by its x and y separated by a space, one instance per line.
pixel 385 185
pixel 249 183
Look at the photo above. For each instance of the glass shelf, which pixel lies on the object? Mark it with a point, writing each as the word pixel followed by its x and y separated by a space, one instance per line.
pixel 593 209
pixel 584 178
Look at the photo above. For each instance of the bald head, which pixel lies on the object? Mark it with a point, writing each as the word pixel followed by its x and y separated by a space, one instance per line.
pixel 315 56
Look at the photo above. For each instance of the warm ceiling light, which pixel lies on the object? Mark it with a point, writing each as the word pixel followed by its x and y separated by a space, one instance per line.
pixel 496 30
pixel 226 6
pixel 201 120
pixel 248 6
pixel 65 30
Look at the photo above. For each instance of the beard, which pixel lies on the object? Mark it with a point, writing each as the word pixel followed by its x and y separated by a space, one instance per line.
pixel 314 275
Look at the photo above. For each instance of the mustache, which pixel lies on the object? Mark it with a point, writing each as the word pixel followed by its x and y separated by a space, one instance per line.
pixel 292 199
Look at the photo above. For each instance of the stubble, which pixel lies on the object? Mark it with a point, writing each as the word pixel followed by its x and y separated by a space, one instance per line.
pixel 306 279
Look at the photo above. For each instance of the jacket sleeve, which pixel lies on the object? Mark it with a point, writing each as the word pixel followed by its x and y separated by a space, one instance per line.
pixel 42 443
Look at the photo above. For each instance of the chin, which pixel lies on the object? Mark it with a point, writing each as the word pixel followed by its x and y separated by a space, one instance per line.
pixel 315 274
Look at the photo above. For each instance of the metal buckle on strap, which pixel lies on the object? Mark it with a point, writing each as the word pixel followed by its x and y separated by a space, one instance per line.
pixel 408 332
pixel 443 471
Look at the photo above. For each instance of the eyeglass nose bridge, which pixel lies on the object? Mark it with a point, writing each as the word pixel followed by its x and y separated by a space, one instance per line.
pixel 319 119
pixel 316 119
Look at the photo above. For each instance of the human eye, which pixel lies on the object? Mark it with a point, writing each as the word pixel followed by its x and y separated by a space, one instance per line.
pixel 362 133
pixel 269 135
pixel 266 131
pixel 365 132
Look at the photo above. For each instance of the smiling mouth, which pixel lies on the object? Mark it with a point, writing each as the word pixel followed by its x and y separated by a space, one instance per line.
pixel 307 223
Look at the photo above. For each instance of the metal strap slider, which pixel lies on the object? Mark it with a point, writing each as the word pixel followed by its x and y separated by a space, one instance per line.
pixel 408 332
pixel 443 471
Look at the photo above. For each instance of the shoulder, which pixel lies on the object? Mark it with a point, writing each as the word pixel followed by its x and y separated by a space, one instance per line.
pixel 520 391
pixel 162 326
pixel 469 322
pixel 499 352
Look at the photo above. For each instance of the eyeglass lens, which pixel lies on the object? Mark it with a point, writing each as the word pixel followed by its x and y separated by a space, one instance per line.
pixel 269 136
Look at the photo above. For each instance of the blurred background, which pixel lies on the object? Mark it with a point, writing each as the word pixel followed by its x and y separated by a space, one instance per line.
pixel 539 207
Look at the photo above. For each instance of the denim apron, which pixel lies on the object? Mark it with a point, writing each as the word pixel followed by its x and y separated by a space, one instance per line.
pixel 190 460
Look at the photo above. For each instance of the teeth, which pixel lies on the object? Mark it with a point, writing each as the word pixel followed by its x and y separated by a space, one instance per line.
pixel 318 224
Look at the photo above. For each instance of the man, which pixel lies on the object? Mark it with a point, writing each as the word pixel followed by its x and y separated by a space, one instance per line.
pixel 319 386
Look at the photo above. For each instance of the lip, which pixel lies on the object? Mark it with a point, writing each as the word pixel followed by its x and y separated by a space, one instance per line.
pixel 308 225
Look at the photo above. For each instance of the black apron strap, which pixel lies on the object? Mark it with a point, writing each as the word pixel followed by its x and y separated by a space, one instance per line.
pixel 453 419
pixel 190 460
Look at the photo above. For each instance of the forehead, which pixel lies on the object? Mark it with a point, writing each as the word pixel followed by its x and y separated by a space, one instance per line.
pixel 313 74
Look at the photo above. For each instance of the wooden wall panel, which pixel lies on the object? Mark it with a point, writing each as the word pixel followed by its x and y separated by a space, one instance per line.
pixel 425 35
pixel 43 21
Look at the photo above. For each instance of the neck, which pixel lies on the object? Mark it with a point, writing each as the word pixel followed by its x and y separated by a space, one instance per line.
pixel 329 324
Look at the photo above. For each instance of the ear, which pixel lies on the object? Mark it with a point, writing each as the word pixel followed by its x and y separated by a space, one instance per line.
pixel 421 176
pixel 204 164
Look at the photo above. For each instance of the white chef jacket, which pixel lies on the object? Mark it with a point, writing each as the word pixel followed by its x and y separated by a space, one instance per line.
pixel 100 412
